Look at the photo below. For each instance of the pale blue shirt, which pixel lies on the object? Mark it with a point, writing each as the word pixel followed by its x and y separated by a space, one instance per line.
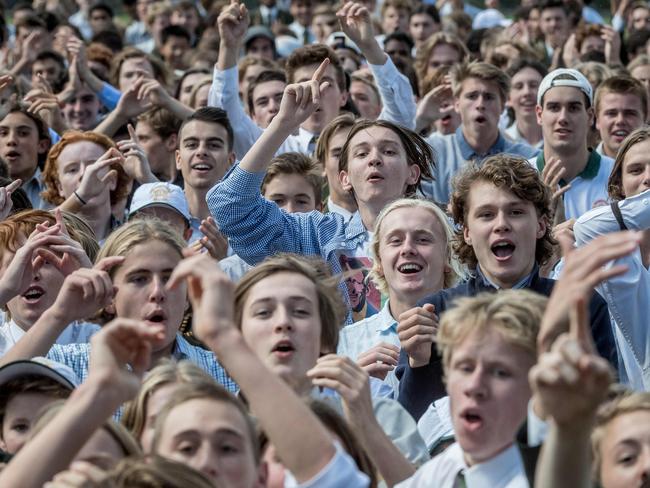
pixel 627 295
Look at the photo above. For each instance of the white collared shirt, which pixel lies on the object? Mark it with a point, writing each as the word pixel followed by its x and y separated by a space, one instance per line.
pixel 76 332
pixel 333 207
pixel 505 470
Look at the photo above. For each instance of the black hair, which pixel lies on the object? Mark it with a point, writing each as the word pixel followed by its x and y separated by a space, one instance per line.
pixel 212 115
pixel 174 31
pixel 102 6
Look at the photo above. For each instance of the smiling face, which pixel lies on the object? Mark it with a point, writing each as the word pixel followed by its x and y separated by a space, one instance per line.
pixel 203 155
pixel 523 92
pixel 479 106
pixel 503 230
pixel 487 383
pixel 141 292
pixel 625 451
pixel 618 115
pixel 412 254
pixel 81 112
pixel 38 296
pixel 332 99
pixel 281 323
pixel 212 437
pixel 565 119
pixel 636 169
pixel 378 170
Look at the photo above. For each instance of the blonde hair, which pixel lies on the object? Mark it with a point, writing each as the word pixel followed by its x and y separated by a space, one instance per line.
pixel 167 372
pixel 153 472
pixel 625 402
pixel 457 272
pixel 514 314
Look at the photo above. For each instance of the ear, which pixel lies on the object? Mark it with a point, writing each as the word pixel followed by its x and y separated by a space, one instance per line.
pixel 344 98
pixel 262 475
pixel 187 233
pixel 466 237
pixel 457 104
pixel 344 179
pixel 231 158
pixel 43 146
pixel 178 160
pixel 112 181
pixel 541 227
pixel 591 114
pixel 110 309
pixel 538 112
pixel 414 174
pixel 171 142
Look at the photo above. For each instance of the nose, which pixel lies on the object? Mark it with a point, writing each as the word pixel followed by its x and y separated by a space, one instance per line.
pixel 206 462
pixel 283 322
pixel 274 106
pixel 374 157
pixel 644 466
pixel 475 385
pixel 290 207
pixel 13 139
pixel 646 176
pixel 501 222
pixel 408 246
pixel 157 292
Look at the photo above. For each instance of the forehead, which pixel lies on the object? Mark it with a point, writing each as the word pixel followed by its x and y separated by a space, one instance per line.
pixel 137 63
pixel 16 119
pixel 631 426
pixel 80 150
pixel 472 84
pixel 152 256
pixel 283 285
pixel 46 62
pixel 421 17
pixel 527 73
pixel 289 184
pixel 553 12
pixel 200 129
pixel 304 73
pixel 205 415
pixel 338 138
pixel 375 135
pixel 638 153
pixel 487 193
pixel 622 100
pixel 269 87
pixel 488 344
pixel 360 86
pixel 396 44
pixel 564 94
pixel 412 218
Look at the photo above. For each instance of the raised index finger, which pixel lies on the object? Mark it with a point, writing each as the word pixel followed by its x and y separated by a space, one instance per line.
pixel 318 74
pixel 132 133
pixel 14 185
pixel 579 324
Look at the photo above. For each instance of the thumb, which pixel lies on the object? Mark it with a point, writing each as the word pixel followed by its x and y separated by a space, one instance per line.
pixel 429 307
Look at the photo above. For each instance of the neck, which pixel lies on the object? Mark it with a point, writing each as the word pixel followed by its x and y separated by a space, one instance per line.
pixel 481 141
pixel 472 460
pixel 529 129
pixel 25 176
pixel 168 173
pixel 98 218
pixel 608 151
pixel 196 202
pixel 510 282
pixel 164 353
pixel 345 200
pixel 369 213
pixel 575 161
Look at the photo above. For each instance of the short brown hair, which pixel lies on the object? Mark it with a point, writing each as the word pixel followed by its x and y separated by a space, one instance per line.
pixel 397 5
pixel 515 314
pixel 51 171
pixel 162 121
pixel 248 61
pixel 331 307
pixel 424 52
pixel 264 77
pixel 623 85
pixel 586 30
pixel 483 71
pixel 314 54
pixel 511 173
pixel 159 70
pixel 343 121
pixel 615 182
pixel 295 163
pixel 417 149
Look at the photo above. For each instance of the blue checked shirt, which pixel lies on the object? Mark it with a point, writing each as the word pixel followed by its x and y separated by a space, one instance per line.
pixel 77 357
pixel 257 228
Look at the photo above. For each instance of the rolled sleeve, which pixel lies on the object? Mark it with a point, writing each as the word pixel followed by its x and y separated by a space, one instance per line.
pixel 396 94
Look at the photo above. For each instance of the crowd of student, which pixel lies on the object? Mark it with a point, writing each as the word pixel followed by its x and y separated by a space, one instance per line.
pixel 324 245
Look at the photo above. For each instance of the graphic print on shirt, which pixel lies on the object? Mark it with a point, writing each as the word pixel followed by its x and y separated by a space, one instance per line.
pixel 365 299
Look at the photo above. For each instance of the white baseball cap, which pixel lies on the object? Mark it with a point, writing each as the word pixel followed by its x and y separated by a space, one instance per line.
pixel 161 194
pixel 567 77
pixel 39 366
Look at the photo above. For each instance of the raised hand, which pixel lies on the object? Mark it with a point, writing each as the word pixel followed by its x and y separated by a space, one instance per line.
pixel 379 360
pixel 571 380
pixel 612 45
pixel 349 380
pixel 584 269
pixel 6 204
pixel 417 331
pixel 135 162
pixel 99 174
pixel 85 291
pixel 233 23
pixel 211 293
pixel 356 23
pixel 81 474
pixel 552 173
pixel 300 100
pixel 429 109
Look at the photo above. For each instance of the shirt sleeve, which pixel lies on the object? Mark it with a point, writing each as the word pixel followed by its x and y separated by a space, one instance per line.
pixel 109 96
pixel 398 102
pixel 224 93
pixel 627 295
pixel 340 471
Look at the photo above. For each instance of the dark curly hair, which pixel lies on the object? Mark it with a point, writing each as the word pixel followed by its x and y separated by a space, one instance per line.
pixel 514 174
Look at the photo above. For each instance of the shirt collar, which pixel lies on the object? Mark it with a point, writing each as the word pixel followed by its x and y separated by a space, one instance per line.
pixel 521 284
pixel 590 171
pixel 468 151
pixel 496 471
pixel 385 320
pixel 304 137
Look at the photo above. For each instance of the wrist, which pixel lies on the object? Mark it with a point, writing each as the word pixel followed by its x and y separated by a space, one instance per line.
pixel 417 362
pixel 225 339
pixel 58 316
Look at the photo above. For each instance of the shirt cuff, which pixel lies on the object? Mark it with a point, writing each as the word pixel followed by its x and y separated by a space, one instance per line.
pixel 386 72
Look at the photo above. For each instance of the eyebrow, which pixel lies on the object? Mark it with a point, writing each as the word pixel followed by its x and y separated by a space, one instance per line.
pixel 209 139
pixel 272 195
pixel 220 430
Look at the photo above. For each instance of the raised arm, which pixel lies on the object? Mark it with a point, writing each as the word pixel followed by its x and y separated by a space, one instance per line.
pixel 306 451
pixel 110 383
pixel 398 102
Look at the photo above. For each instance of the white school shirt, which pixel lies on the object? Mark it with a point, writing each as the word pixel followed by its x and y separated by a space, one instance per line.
pixel 76 332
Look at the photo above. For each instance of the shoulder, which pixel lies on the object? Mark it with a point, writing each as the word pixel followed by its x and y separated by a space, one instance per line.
pixel 441 470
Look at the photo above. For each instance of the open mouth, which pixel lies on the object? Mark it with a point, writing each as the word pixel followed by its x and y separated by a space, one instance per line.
pixel 563 132
pixel 201 167
pixel 283 349
pixel 503 250
pixel 409 268
pixel 12 155
pixel 473 420
pixel 480 119
pixel 375 178
pixel 156 317
pixel 620 134
pixel 33 293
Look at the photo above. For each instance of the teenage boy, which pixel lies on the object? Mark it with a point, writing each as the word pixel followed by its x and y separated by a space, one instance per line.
pixel 621 105
pixel 263 96
pixel 175 42
pixel 157 133
pixel 480 92
pixel 554 24
pixel 502 212
pixel 27 387
pixel 381 162
pixel 294 183
pixel 395 89
pixel 488 344
pixel 25 140
pixel 204 155
pixel 564 110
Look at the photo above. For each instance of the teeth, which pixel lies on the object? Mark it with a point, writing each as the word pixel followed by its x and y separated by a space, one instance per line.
pixel 202 167
pixel 502 244
pixel 410 267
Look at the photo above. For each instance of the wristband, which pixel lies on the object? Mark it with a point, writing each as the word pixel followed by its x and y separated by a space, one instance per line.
pixel 83 202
